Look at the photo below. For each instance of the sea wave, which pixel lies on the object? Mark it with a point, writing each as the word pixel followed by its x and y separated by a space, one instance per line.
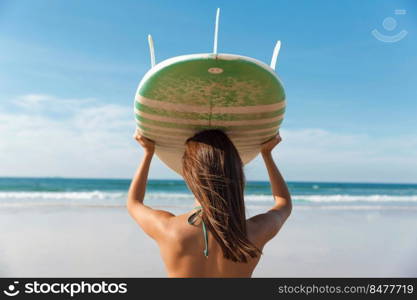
pixel 99 195
pixel 118 197
pixel 340 198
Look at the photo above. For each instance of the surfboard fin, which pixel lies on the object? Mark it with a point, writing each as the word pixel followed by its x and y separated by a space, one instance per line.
pixel 216 31
pixel 151 50
pixel 275 55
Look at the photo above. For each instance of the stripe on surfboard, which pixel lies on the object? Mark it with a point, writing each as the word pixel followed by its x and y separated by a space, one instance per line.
pixel 213 125
pixel 182 137
pixel 207 116
pixel 190 132
pixel 239 140
pixel 206 109
pixel 226 123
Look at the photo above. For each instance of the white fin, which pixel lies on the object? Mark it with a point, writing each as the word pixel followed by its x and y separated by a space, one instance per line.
pixel 275 54
pixel 152 50
pixel 216 31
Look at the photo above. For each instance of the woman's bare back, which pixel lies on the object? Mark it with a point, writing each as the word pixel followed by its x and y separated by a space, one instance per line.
pixel 182 252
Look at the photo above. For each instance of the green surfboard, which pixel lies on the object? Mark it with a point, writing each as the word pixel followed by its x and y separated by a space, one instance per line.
pixel 186 94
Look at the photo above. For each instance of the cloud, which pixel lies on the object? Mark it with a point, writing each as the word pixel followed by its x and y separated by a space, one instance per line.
pixel 93 139
pixel 44 135
pixel 44 104
pixel 317 154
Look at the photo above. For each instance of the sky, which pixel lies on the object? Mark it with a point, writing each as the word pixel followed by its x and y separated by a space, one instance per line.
pixel 69 71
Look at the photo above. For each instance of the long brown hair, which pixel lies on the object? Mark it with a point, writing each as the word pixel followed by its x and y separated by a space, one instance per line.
pixel 213 170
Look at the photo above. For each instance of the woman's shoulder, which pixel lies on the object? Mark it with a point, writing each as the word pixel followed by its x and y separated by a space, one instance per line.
pixel 181 238
pixel 179 229
pixel 263 227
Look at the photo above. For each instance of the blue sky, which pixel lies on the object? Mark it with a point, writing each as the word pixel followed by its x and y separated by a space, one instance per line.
pixel 69 71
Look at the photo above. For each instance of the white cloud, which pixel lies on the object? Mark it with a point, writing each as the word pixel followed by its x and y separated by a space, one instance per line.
pixel 30 100
pixel 317 154
pixel 94 139
pixel 42 103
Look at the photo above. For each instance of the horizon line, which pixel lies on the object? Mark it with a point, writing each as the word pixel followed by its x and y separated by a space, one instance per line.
pixel 165 179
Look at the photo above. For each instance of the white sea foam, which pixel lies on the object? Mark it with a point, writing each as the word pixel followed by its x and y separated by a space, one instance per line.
pixel 117 198
pixel 61 195
pixel 57 204
pixel 354 198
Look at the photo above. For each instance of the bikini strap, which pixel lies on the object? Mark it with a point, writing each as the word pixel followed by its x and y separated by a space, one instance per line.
pixel 191 219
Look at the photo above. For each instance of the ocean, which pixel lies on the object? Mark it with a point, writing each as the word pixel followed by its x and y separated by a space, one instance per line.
pixel 44 192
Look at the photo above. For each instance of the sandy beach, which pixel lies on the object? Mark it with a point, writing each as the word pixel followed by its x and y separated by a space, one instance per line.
pixel 105 242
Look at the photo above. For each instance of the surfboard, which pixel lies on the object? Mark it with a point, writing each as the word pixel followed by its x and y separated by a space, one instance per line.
pixel 183 95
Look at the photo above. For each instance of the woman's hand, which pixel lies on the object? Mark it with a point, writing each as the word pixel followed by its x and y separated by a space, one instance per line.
pixel 147 144
pixel 270 144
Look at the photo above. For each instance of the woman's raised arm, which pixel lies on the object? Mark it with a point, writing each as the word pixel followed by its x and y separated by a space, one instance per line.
pixel 269 223
pixel 153 222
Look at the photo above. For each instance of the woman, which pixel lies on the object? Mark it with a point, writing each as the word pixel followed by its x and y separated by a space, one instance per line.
pixel 214 239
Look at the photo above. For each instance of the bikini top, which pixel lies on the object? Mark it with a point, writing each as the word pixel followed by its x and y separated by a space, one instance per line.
pixel 191 220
